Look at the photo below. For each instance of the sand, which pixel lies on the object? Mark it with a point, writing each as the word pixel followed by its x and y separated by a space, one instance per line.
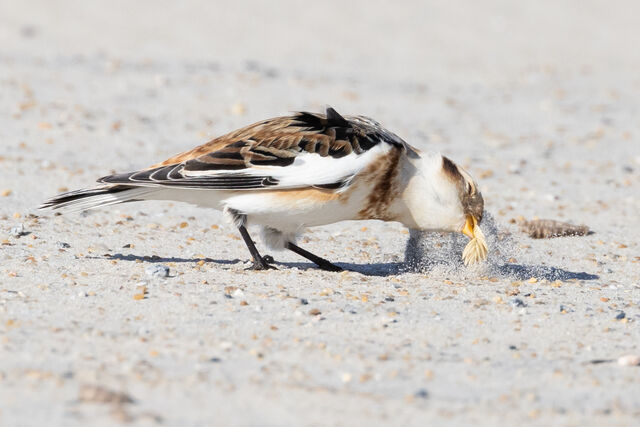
pixel 539 101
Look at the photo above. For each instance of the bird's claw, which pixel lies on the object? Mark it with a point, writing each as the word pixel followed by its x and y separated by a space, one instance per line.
pixel 264 263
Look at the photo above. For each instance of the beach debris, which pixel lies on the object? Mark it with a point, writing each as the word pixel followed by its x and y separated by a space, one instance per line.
pixel 517 303
pixel 548 228
pixel 629 360
pixel 229 291
pixel 18 231
pixel 564 309
pixel 599 361
pixel 142 291
pixel 62 245
pixel 99 394
pixel 421 394
pixel 157 270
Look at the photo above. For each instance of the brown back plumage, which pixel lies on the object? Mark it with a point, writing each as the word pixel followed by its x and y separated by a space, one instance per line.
pixel 272 142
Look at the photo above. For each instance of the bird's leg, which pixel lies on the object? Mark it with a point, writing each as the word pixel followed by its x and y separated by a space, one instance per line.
pixel 320 262
pixel 259 263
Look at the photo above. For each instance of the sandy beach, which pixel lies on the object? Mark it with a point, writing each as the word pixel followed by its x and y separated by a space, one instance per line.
pixel 538 100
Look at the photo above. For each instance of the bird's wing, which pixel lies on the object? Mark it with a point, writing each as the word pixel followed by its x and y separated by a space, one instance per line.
pixel 297 151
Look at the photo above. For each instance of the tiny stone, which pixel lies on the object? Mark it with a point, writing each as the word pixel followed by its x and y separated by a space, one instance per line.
pixel 62 245
pixel 215 360
pixel 157 270
pixel 564 309
pixel 304 301
pixel 17 231
pixel 621 315
pixel 314 312
pixel 350 309
pixel 422 394
pixel 517 302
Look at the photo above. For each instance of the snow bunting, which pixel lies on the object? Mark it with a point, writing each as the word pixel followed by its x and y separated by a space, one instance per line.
pixel 288 173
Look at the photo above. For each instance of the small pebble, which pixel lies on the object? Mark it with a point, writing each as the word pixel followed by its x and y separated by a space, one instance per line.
pixel 422 394
pixel 62 245
pixel 314 312
pixel 17 231
pixel 621 315
pixel 517 302
pixel 629 360
pixel 564 309
pixel 157 270
pixel 304 301
pixel 215 360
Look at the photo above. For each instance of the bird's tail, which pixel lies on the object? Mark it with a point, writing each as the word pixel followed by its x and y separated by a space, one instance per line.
pixel 91 198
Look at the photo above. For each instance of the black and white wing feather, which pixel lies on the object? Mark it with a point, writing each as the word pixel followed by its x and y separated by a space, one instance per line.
pixel 298 151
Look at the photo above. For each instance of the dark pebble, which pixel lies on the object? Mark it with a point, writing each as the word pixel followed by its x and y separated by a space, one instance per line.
pixel 621 315
pixel 517 302
pixel 422 394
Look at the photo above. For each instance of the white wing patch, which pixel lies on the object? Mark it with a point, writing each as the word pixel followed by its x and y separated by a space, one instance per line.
pixel 308 169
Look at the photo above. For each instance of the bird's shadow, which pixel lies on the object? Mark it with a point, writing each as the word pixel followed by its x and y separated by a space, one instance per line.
pixel 159 259
pixel 385 269
pixel 522 272
pixel 380 269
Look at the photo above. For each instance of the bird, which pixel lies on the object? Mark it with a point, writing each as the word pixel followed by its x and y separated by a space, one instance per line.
pixel 302 170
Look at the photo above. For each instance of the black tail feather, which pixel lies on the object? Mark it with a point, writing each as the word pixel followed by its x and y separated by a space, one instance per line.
pixel 68 198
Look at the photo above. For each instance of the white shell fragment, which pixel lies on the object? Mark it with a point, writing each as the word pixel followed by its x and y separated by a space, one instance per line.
pixel 476 249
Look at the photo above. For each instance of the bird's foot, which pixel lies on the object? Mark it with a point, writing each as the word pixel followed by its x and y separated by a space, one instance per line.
pixel 263 263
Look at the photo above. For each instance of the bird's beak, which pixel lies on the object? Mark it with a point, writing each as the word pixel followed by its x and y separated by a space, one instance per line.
pixel 469 227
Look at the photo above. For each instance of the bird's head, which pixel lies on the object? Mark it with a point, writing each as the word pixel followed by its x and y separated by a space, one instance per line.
pixel 471 200
pixel 442 196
